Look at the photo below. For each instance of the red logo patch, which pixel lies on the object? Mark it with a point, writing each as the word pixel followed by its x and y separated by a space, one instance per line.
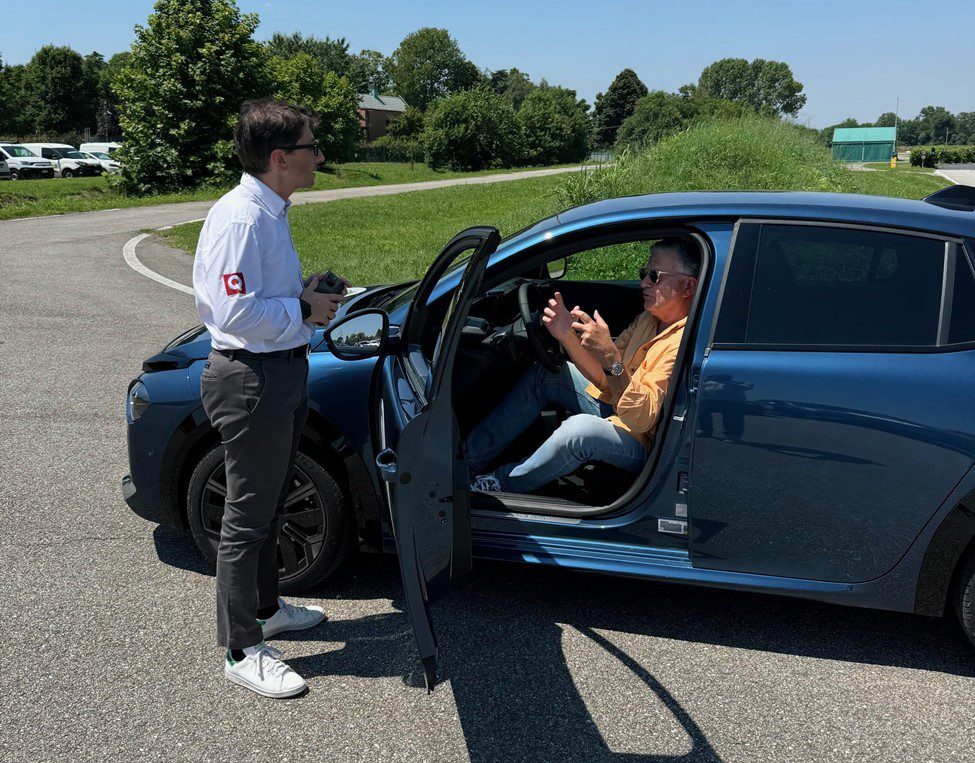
pixel 234 284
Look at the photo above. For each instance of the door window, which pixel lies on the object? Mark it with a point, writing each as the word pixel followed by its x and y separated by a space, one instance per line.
pixel 962 325
pixel 823 285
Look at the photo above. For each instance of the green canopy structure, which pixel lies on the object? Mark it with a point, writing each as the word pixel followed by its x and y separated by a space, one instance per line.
pixel 864 144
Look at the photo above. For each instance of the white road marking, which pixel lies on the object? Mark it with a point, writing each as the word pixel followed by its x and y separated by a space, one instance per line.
pixel 128 251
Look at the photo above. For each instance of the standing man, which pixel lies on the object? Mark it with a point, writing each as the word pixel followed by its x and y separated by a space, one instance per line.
pixel 261 315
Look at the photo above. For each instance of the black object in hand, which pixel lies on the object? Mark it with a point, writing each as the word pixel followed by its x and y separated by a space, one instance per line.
pixel 330 284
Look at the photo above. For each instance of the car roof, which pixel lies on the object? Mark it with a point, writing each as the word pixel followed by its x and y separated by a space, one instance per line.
pixel 836 207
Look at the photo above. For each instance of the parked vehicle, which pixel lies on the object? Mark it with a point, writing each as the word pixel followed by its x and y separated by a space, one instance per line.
pixel 817 438
pixel 105 148
pixel 4 170
pixel 67 160
pixel 24 163
pixel 107 163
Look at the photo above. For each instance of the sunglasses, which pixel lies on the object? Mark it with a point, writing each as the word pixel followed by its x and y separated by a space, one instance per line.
pixel 654 275
pixel 313 147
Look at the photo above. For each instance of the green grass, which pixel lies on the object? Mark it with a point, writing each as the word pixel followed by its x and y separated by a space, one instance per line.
pixel 29 198
pixel 901 167
pixel 384 239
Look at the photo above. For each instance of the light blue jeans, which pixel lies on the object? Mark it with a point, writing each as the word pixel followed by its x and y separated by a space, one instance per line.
pixel 586 435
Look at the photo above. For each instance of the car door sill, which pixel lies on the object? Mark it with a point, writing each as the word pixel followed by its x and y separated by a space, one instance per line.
pixel 518 503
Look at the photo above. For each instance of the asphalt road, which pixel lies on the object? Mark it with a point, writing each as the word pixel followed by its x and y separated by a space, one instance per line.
pixel 108 623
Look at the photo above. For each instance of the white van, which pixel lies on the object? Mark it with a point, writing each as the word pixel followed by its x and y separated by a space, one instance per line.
pixel 107 163
pixel 68 161
pixel 105 148
pixel 25 164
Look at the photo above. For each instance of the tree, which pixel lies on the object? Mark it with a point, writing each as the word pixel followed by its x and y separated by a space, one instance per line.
pixel 368 70
pixel 16 104
pixel 63 88
pixel 428 65
pixel 965 127
pixel 766 86
pixel 887 119
pixel 409 124
pixel 333 55
pixel 472 130
pixel 909 132
pixel 615 105
pixel 657 115
pixel 107 114
pixel 193 65
pixel 303 80
pixel 554 126
pixel 512 84
pixel 935 124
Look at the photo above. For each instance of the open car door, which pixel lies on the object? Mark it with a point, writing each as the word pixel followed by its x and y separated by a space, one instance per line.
pixel 427 478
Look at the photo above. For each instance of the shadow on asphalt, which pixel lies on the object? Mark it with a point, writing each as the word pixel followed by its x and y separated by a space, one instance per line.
pixel 501 634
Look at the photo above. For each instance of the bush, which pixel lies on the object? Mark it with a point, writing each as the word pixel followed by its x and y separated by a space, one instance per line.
pixel 472 130
pixel 554 127
pixel 935 155
pixel 753 153
pixel 388 148
pixel 659 114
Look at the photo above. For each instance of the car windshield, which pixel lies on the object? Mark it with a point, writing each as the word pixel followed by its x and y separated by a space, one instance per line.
pixel 99 155
pixel 17 151
pixel 72 155
pixel 406 296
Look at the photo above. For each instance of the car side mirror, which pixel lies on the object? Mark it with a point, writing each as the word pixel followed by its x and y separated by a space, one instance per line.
pixel 557 268
pixel 362 334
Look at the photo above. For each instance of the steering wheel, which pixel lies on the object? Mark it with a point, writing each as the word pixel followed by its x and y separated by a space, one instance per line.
pixel 546 349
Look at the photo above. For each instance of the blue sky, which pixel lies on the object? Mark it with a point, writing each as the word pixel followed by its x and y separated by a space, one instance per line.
pixel 854 57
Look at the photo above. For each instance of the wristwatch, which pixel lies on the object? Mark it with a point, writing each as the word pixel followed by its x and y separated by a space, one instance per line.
pixel 614 370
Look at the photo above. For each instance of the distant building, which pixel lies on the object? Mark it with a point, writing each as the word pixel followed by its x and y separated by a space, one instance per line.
pixel 864 144
pixel 376 112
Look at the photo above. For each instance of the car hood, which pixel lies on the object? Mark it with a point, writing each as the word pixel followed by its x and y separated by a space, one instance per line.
pixel 195 343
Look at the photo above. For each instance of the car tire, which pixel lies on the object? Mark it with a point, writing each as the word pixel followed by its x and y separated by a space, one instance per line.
pixel 314 548
pixel 14 175
pixel 67 174
pixel 965 596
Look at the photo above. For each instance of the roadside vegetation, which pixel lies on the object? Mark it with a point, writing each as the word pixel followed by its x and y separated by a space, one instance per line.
pixel 28 198
pixel 386 239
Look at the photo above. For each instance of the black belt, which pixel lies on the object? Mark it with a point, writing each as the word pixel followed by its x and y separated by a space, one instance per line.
pixel 294 352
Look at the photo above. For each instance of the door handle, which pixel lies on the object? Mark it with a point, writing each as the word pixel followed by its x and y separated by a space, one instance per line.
pixel 386 462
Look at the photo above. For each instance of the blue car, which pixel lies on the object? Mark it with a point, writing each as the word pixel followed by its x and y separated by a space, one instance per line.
pixel 817 439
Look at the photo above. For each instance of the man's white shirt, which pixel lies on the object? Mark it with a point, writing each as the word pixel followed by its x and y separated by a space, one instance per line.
pixel 247 275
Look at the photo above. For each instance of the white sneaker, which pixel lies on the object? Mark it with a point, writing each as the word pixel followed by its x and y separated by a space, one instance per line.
pixel 262 671
pixel 486 483
pixel 291 618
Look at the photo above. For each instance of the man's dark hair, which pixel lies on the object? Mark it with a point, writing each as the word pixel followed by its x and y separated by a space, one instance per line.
pixel 266 125
pixel 687 254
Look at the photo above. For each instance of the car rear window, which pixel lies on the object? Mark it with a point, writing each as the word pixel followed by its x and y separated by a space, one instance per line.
pixel 823 285
pixel 962 326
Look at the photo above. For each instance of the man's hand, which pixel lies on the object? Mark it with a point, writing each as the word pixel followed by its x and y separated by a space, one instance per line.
pixel 595 337
pixel 557 318
pixel 323 306
pixel 320 276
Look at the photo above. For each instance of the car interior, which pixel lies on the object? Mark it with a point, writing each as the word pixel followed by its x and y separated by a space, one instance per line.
pixel 503 336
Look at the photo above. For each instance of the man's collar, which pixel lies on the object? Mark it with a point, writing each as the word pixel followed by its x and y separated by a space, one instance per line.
pixel 679 324
pixel 264 195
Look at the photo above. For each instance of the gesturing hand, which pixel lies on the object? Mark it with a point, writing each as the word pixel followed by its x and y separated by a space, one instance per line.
pixel 557 318
pixel 595 337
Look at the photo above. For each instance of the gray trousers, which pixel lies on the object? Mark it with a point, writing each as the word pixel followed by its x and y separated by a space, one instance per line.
pixel 259 407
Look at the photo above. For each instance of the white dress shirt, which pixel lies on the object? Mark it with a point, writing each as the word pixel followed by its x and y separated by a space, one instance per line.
pixel 247 275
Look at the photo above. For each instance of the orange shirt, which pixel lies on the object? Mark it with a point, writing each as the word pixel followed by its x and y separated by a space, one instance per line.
pixel 650 359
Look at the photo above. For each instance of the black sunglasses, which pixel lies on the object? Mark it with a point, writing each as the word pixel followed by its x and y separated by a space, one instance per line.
pixel 654 275
pixel 313 147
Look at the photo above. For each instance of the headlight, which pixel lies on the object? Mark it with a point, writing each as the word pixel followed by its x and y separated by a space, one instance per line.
pixel 138 402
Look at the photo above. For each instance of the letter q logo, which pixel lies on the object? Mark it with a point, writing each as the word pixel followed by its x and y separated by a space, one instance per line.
pixel 234 284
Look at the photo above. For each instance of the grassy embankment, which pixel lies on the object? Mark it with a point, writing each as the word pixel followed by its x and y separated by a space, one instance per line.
pixel 384 239
pixel 29 198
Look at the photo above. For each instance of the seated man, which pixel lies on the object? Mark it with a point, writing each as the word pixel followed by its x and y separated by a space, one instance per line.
pixel 614 389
